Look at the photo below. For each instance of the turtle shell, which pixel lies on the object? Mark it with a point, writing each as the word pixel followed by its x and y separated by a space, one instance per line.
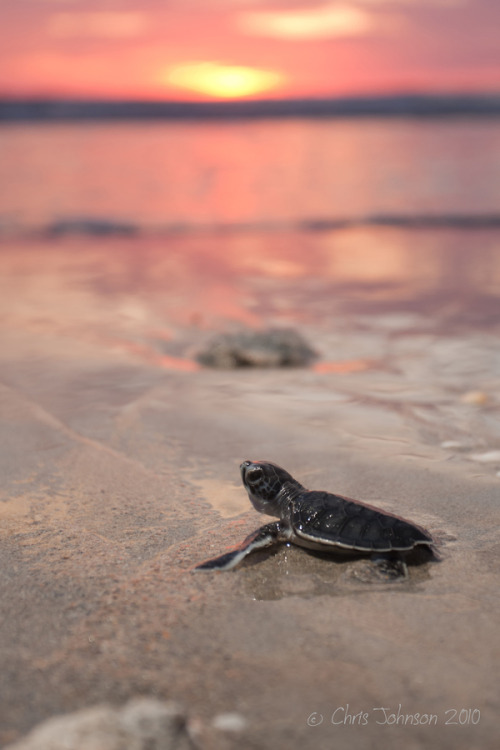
pixel 322 518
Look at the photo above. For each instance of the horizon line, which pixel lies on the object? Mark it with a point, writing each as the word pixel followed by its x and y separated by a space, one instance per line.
pixel 16 108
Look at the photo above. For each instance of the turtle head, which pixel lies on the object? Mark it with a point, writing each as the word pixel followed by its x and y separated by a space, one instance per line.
pixel 267 485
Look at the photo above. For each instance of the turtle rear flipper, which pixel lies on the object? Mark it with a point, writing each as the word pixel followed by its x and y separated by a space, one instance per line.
pixel 380 568
pixel 266 536
pixel 389 567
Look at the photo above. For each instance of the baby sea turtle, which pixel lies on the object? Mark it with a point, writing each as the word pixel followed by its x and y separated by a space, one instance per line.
pixel 321 521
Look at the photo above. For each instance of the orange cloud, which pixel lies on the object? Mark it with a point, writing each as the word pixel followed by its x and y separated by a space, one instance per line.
pixel 221 81
pixel 100 24
pixel 316 23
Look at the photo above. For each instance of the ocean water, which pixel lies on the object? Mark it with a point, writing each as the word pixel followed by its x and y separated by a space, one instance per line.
pixel 257 174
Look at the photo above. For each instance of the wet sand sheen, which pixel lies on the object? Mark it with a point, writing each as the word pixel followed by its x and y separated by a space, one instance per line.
pixel 120 473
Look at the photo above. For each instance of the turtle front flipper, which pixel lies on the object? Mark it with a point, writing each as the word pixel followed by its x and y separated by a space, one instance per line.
pixel 266 536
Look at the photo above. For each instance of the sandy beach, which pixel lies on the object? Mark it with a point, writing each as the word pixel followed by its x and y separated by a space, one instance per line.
pixel 119 464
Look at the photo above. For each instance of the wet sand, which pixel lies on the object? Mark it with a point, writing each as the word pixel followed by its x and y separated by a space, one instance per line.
pixel 119 463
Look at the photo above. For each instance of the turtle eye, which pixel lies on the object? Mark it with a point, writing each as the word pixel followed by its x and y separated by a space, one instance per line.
pixel 254 474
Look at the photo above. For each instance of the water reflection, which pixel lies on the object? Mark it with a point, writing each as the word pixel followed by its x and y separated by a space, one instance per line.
pixel 248 173
pixel 405 322
pixel 413 281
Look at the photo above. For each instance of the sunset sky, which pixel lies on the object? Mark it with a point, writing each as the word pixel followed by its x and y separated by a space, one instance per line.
pixel 230 49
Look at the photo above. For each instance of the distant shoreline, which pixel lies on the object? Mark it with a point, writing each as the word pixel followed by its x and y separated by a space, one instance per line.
pixel 411 105
pixel 98 226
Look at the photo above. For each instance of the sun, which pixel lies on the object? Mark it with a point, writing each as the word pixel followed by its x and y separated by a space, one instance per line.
pixel 221 81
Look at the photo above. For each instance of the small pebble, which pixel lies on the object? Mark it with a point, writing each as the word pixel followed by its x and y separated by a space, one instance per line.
pixel 230 722
pixel 476 398
pixel 489 457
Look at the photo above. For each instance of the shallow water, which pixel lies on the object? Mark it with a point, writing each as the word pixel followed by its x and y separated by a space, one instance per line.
pixel 405 323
